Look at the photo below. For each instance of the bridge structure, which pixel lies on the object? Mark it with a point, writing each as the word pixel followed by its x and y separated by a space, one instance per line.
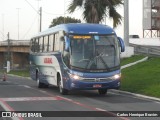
pixel 15 51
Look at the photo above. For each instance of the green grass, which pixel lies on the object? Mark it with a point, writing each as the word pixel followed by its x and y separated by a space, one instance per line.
pixel 134 58
pixel 143 78
pixel 23 73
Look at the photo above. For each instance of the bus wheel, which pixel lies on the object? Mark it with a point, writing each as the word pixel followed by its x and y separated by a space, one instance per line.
pixel 102 91
pixel 61 89
pixel 39 84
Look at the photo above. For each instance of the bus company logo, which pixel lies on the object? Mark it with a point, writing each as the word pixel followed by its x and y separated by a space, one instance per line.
pixel 48 60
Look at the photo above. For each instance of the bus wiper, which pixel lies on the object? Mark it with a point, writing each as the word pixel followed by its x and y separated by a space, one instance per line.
pixel 99 56
pixel 89 62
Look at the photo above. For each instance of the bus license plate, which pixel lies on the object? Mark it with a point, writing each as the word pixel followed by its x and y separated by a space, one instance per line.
pixel 97 86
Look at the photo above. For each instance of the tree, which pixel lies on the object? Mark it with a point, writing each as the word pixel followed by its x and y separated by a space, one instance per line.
pixel 94 11
pixel 61 20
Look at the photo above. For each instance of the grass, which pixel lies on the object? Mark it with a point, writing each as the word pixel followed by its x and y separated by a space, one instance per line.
pixel 24 73
pixel 143 78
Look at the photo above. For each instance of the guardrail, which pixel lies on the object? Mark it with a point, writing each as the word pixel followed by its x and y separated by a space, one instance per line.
pixel 149 50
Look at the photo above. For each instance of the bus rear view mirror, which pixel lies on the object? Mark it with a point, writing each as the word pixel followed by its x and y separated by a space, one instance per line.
pixel 121 43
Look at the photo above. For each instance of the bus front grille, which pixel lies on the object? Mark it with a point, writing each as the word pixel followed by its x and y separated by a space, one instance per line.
pixel 96 79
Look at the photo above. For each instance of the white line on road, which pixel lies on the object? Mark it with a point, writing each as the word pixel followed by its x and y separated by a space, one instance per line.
pixel 29 99
pixel 26 86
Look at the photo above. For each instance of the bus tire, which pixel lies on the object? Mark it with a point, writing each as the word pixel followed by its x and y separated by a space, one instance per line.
pixel 102 91
pixel 61 89
pixel 39 84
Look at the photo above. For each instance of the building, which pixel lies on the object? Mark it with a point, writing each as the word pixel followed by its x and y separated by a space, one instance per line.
pixel 151 18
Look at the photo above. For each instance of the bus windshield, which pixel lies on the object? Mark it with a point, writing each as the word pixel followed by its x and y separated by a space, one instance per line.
pixel 94 52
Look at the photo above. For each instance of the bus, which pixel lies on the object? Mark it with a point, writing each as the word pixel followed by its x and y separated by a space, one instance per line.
pixel 77 56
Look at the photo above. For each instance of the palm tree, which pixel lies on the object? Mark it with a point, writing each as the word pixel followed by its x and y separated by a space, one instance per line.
pixel 94 11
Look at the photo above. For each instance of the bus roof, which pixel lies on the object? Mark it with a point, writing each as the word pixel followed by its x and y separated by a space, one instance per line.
pixel 78 28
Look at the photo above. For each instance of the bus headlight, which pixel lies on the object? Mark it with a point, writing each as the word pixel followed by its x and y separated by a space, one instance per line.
pixel 75 77
pixel 117 76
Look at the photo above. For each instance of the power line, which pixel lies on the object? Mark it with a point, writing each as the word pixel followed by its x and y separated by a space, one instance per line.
pixel 39 12
pixel 32 6
pixel 3 36
pixel 30 27
pixel 51 13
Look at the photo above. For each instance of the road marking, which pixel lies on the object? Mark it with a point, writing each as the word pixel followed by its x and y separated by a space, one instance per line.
pixel 6 107
pixel 43 91
pixel 91 107
pixel 65 98
pixel 99 109
pixel 30 99
pixel 26 86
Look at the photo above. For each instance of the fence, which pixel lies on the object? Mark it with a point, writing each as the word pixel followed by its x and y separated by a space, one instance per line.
pixel 149 50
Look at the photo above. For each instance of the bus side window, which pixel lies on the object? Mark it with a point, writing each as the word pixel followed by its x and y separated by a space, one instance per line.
pixel 41 44
pixel 62 44
pixel 36 45
pixel 51 42
pixel 45 44
pixel 56 44
pixel 32 45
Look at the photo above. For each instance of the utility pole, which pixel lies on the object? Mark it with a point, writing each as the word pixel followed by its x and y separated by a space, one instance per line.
pixel 18 22
pixel 3 25
pixel 40 14
pixel 126 22
pixel 8 48
pixel 40 17
pixel 129 51
pixel 8 54
pixel 64 11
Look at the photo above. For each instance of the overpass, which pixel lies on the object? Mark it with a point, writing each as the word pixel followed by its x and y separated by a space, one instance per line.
pixel 16 51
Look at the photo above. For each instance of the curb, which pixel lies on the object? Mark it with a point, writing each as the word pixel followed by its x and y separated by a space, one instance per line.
pixel 131 64
pixel 136 95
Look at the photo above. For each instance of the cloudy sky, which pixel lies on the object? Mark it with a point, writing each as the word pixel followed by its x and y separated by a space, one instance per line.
pixel 20 16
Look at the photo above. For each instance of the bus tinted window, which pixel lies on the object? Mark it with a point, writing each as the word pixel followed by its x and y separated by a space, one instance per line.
pixel 45 44
pixel 51 41
pixel 41 44
pixel 36 45
pixel 56 44
pixel 32 45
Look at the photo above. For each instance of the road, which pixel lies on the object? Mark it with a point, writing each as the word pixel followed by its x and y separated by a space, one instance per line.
pixel 21 94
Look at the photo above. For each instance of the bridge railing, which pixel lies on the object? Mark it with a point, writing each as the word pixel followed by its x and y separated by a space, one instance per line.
pixel 15 43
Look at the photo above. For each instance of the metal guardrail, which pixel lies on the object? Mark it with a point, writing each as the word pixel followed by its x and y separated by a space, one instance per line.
pixel 149 50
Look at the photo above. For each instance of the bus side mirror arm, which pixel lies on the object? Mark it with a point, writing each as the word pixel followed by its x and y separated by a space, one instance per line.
pixel 121 43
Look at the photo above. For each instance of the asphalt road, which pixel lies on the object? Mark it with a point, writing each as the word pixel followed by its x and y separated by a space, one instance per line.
pixel 22 95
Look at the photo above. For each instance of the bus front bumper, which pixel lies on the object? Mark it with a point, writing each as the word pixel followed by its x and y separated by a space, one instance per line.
pixel 81 85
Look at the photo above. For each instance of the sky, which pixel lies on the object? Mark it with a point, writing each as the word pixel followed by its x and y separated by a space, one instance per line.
pixel 20 17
